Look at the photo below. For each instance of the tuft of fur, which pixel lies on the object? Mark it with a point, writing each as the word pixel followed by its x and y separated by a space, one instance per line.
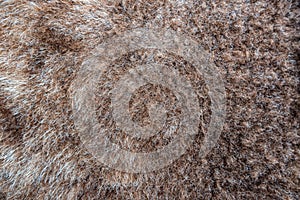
pixel 253 43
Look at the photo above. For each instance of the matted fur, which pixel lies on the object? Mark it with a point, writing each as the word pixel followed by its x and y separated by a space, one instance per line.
pixel 253 43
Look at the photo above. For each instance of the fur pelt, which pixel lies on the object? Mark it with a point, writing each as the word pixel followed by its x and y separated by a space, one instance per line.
pixel 253 44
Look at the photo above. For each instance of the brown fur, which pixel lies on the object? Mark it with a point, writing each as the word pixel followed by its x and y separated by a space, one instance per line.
pixel 253 43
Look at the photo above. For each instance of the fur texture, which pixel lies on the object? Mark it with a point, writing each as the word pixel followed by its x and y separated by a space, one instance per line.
pixel 253 43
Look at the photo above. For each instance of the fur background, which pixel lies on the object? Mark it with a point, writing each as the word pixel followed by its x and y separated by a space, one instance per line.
pixel 255 45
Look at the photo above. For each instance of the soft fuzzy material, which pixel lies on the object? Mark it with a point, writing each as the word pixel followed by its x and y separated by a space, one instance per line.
pixel 254 45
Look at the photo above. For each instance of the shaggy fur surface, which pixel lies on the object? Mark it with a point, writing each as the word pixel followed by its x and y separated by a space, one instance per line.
pixel 254 44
